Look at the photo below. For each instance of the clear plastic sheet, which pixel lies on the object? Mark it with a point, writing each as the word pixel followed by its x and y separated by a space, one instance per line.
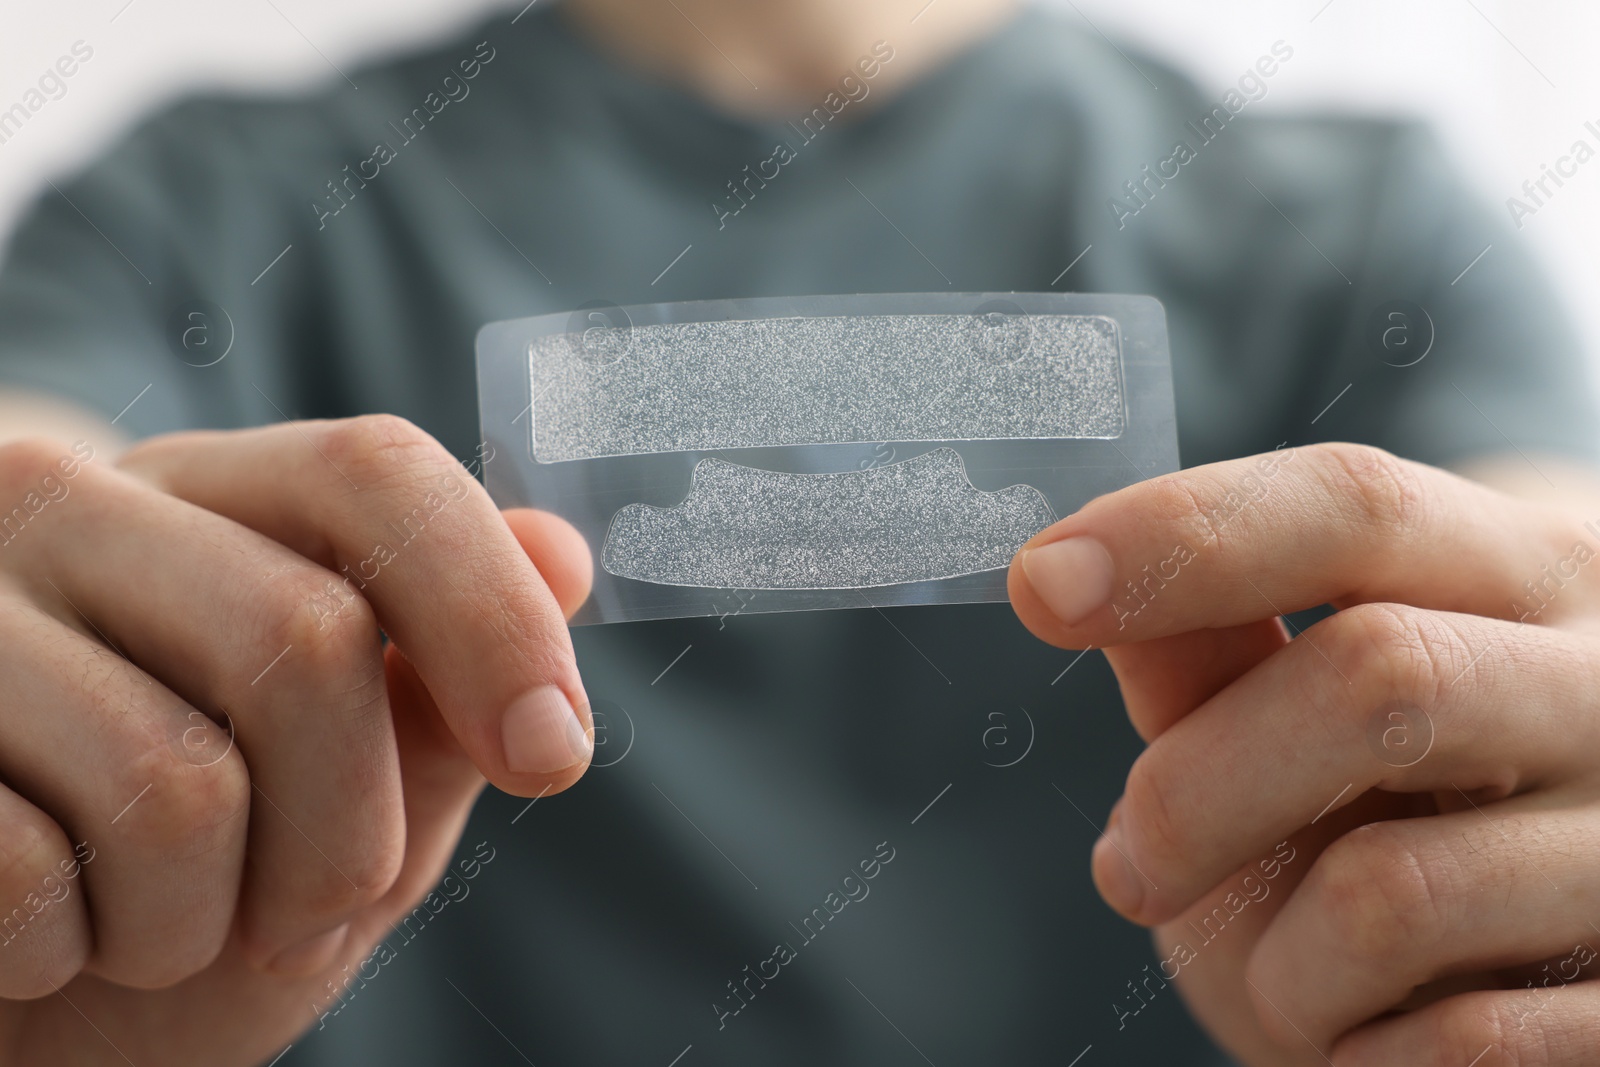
pixel 784 454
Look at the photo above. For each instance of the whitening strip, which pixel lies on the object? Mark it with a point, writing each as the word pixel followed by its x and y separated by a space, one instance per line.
pixel 827 451
pixel 744 528
pixel 697 386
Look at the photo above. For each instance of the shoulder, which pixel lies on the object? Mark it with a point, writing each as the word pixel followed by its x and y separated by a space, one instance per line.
pixel 1327 153
pixel 266 133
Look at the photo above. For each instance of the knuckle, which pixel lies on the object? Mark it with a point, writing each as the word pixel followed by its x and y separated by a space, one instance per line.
pixel 33 472
pixel 362 878
pixel 30 847
pixel 358 871
pixel 45 939
pixel 332 629
pixel 377 870
pixel 183 810
pixel 1386 489
pixel 328 639
pixel 379 450
pixel 27 459
pixel 1261 972
pixel 1151 826
pixel 35 978
pixel 46 960
pixel 1379 894
pixel 1464 1026
pixel 1174 505
pixel 1392 650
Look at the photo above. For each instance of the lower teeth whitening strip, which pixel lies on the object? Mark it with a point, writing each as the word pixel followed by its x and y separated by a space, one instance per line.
pixel 785 454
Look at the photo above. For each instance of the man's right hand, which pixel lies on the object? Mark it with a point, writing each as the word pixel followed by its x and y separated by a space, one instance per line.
pixel 220 787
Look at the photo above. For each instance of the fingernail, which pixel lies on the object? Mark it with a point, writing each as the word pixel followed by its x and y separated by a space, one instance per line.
pixel 310 955
pixel 1120 883
pixel 1073 577
pixel 542 733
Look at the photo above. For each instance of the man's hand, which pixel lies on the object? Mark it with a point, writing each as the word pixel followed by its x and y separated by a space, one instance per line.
pixel 1379 841
pixel 220 786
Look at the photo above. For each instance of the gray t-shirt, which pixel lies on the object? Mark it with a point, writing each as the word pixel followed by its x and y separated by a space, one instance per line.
pixel 747 764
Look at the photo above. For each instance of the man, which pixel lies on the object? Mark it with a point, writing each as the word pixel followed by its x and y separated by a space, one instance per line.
pixel 236 823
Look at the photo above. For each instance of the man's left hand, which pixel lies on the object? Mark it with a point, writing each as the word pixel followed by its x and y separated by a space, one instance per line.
pixel 1376 842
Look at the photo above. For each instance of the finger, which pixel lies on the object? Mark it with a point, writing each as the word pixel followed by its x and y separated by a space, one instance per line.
pixel 1553 1027
pixel 1248 539
pixel 287 661
pixel 100 747
pixel 441 783
pixel 1204 952
pixel 1397 905
pixel 44 929
pixel 559 552
pixel 382 504
pixel 1327 718
pixel 1164 679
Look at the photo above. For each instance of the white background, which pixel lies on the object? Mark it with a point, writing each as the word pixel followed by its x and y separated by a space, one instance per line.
pixel 1510 82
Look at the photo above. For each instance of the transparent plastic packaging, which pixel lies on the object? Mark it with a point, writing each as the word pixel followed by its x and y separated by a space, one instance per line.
pixel 788 454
